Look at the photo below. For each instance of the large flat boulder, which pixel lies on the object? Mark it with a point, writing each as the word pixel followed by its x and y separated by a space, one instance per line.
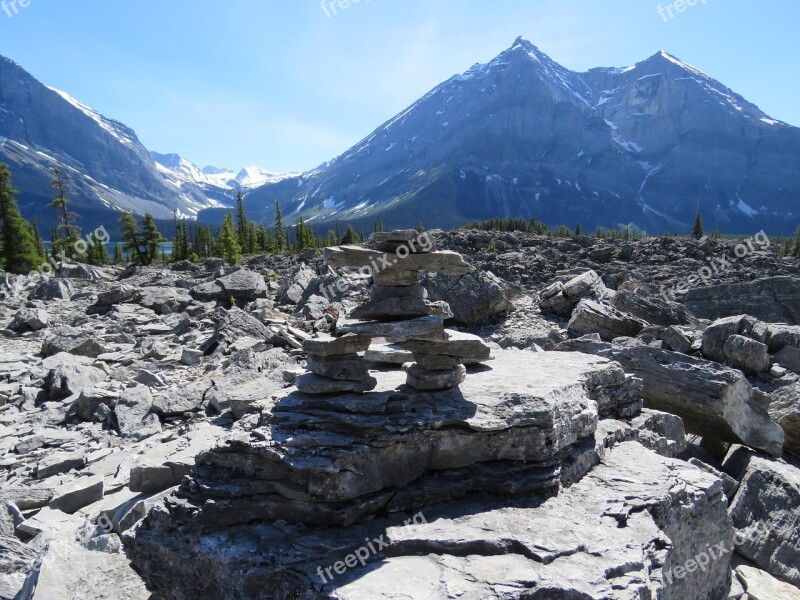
pixel 440 261
pixel 339 459
pixel 625 531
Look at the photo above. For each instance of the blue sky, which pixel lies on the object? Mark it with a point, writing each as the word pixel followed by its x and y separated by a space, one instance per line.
pixel 279 84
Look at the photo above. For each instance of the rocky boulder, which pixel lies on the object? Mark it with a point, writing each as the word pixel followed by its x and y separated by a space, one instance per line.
pixel 765 512
pixel 784 408
pixel 294 286
pixel 29 319
pixel 475 298
pixel 591 316
pixel 627 530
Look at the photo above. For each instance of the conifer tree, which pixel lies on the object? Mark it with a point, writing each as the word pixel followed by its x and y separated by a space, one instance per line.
pixel 242 229
pixel 280 231
pixel 131 239
pixel 151 238
pixel 69 232
pixel 229 242
pixel 37 238
pixel 118 260
pixel 349 237
pixel 18 253
pixel 697 228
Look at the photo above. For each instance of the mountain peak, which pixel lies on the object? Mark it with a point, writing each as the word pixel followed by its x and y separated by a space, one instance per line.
pixel 663 56
pixel 527 46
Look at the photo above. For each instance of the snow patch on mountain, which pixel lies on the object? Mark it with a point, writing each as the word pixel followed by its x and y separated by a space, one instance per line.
pixel 224 179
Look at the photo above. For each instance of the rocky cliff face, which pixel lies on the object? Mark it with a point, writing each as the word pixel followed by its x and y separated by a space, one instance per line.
pixel 522 136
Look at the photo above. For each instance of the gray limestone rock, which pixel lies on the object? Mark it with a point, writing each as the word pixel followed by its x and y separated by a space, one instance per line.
pixel 421 378
pixel 590 316
pixel 784 408
pixel 765 512
pixel 29 319
pixel 624 531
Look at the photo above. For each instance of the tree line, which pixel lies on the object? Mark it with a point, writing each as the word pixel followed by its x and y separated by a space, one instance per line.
pixel 22 248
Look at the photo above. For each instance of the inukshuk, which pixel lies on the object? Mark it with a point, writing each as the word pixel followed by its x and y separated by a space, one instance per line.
pixel 398 308
pixel 327 453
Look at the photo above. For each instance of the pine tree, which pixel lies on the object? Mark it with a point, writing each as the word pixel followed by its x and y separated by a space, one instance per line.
pixel 151 238
pixel 180 244
pixel 241 225
pixel 97 253
pixel 304 235
pixel 229 242
pixel 131 239
pixel 252 238
pixel 280 232
pixel 578 230
pixel 349 237
pixel 18 253
pixel 69 232
pixel 37 238
pixel 697 228
pixel 54 239
pixel 118 260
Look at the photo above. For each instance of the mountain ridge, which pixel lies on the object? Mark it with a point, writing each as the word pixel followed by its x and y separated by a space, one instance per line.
pixel 523 136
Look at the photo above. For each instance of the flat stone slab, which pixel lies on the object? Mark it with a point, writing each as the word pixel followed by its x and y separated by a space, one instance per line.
pixel 421 378
pixel 618 533
pixel 311 383
pixel 388 354
pixel 441 261
pixel 333 346
pixel 421 328
pixel 400 308
pixel 341 458
pixel 458 343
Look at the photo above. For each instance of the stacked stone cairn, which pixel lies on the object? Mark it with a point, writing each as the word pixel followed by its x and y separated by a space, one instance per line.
pixel 399 311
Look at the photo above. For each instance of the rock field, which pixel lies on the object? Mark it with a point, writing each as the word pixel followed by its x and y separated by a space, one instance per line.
pixel 562 418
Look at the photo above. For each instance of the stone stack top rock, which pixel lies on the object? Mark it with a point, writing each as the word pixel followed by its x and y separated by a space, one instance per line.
pixel 391 241
pixel 445 262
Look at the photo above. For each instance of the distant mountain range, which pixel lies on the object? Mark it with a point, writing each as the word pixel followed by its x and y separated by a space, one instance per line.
pixel 651 144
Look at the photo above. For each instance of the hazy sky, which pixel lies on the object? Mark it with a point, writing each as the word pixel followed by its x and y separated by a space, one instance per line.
pixel 283 85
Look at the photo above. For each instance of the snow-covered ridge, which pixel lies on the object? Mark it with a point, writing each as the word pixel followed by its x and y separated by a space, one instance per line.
pixel 225 179
pixel 121 132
